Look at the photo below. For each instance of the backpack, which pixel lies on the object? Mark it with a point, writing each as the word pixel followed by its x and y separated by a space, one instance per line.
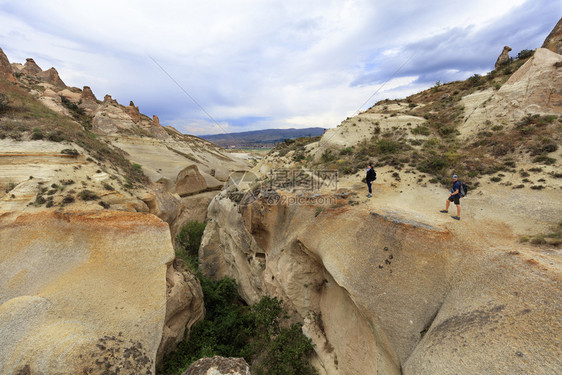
pixel 463 191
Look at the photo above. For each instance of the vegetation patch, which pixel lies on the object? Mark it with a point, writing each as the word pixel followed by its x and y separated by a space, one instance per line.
pixel 552 238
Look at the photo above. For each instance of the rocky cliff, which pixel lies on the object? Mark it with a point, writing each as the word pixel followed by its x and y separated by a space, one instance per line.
pixel 93 194
pixel 389 285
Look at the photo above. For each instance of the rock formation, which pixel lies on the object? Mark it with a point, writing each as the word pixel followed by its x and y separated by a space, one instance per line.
pixel 68 304
pixel 381 293
pixel 31 68
pixel 219 366
pixel 6 70
pixel 155 120
pixel 51 76
pixel 75 302
pixel 133 111
pixel 503 58
pixel 190 181
pixel 533 89
pixel 88 95
pixel 553 41
pixel 184 308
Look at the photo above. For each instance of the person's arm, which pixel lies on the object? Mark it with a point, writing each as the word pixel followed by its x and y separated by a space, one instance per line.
pixel 454 192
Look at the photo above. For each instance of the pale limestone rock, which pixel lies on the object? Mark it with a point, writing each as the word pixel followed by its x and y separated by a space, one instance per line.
pixel 184 308
pixel 53 101
pixel 110 118
pixel 189 181
pixel 379 292
pixel 219 366
pixel 553 41
pixel 532 89
pixel 193 207
pixel 96 285
pixel 503 58
pixel 163 204
pixel 70 95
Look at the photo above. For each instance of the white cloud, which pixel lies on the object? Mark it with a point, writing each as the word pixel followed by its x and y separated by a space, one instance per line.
pixel 274 63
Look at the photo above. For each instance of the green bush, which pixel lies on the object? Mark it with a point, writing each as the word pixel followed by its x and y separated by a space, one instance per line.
pixel 328 156
pixel 70 151
pixel 4 103
pixel 188 241
pixel 36 134
pixel 255 333
pixel 88 195
pixel 421 130
pixel 523 54
pixel 387 146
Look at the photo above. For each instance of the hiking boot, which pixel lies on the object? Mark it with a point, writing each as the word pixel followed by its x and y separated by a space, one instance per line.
pixel 456 217
pixel 369 195
pixel 444 211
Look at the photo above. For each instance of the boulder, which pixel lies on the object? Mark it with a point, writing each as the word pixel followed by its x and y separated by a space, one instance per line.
pixel 163 204
pixel 82 292
pixel 6 70
pixel 553 41
pixel 218 366
pixel 70 95
pixel 189 181
pixel 503 57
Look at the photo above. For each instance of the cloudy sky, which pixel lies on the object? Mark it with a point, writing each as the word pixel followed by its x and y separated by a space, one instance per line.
pixel 256 64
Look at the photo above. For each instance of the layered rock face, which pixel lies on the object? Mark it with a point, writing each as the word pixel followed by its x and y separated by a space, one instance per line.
pixel 553 41
pixel 81 290
pixel 6 70
pixel 88 279
pixel 533 89
pixel 380 293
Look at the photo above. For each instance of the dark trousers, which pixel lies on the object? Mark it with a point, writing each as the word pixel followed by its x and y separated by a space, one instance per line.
pixel 369 186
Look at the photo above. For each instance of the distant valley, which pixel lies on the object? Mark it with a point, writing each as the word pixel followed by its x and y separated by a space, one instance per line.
pixel 267 138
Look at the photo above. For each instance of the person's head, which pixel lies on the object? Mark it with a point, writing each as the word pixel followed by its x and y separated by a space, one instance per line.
pixel 369 166
pixel 455 177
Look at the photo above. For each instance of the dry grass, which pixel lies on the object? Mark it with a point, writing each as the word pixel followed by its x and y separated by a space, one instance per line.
pixel 28 119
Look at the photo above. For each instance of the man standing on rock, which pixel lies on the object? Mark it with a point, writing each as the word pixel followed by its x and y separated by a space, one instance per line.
pixel 455 196
pixel 371 176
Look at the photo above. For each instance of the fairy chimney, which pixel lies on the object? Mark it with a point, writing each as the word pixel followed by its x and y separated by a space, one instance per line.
pixel 504 57
pixel 31 68
pixel 87 94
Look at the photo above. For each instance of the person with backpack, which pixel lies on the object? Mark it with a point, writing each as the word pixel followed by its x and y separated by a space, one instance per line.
pixel 371 176
pixel 456 193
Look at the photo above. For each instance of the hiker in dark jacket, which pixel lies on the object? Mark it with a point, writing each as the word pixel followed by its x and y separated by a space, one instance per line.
pixel 371 176
pixel 454 197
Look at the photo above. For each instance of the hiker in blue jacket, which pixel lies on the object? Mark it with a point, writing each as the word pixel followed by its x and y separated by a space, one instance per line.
pixel 371 176
pixel 454 197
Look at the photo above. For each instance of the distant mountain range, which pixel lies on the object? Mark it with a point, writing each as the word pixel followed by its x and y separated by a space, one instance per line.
pixel 260 138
